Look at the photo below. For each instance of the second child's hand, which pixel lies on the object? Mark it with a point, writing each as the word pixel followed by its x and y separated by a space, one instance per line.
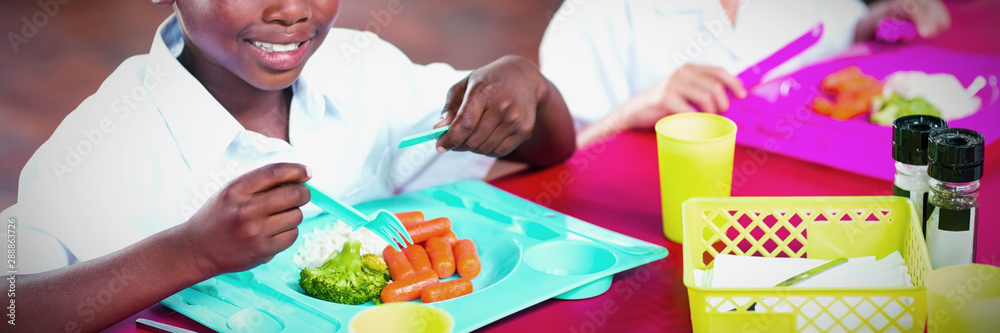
pixel 690 88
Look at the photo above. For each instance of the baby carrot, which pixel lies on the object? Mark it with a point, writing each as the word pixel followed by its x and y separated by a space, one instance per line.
pixel 417 257
pixel 466 258
pixel 424 231
pixel 399 266
pixel 442 259
pixel 446 290
pixel 408 289
pixel 450 238
pixel 410 218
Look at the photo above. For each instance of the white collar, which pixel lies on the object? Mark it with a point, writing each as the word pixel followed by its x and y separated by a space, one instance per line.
pixel 708 10
pixel 202 128
pixel 676 7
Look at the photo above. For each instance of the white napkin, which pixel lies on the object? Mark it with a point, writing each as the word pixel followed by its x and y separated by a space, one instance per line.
pixel 760 272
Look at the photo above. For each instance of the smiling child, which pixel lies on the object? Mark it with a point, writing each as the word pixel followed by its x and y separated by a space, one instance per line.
pixel 188 161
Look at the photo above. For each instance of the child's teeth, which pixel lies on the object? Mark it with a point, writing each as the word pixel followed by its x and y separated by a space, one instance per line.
pixel 268 47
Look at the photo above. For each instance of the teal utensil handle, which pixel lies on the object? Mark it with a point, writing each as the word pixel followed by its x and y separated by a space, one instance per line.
pixel 422 137
pixel 337 208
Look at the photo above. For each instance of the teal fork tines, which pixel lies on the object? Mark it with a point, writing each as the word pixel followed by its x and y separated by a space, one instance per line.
pixel 383 223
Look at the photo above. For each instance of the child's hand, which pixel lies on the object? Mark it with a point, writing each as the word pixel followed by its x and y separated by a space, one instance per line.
pixel 930 17
pixel 247 222
pixel 690 86
pixel 492 111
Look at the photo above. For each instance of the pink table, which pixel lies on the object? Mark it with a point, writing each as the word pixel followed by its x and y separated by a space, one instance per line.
pixel 614 184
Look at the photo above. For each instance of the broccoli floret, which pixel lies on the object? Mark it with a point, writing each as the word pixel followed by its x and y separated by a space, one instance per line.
pixel 374 262
pixel 346 277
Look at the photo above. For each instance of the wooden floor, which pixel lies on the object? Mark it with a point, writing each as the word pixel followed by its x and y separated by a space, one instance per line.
pixel 68 53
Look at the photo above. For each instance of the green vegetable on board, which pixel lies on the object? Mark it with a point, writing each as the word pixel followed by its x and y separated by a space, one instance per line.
pixel 896 106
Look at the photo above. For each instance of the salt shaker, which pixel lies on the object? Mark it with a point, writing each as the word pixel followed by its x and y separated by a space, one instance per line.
pixel 955 165
pixel 909 149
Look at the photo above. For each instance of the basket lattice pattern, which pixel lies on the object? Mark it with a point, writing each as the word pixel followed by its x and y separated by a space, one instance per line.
pixel 784 233
pixel 856 313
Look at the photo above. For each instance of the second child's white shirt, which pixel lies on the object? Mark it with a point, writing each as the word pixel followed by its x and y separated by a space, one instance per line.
pixel 601 52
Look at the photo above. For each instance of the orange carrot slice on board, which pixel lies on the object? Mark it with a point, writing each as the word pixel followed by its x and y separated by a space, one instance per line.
pixel 822 105
pixel 840 80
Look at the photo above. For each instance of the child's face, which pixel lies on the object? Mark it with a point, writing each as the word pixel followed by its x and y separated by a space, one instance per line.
pixel 263 42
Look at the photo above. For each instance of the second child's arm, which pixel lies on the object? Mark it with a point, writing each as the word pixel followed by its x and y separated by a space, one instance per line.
pixel 507 109
pixel 245 224
pixel 688 87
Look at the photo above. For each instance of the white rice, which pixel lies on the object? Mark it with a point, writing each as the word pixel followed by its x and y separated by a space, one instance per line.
pixel 321 242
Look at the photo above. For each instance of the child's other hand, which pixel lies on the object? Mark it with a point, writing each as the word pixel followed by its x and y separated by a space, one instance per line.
pixel 930 17
pixel 690 86
pixel 247 222
pixel 492 111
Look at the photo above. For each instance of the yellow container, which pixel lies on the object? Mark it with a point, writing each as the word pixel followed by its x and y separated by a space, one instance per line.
pixel 695 158
pixel 402 318
pixel 964 298
pixel 805 227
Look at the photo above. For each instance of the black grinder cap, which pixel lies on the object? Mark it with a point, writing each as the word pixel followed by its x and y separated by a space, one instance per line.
pixel 909 137
pixel 956 155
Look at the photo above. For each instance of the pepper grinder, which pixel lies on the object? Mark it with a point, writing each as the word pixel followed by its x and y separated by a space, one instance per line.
pixel 955 157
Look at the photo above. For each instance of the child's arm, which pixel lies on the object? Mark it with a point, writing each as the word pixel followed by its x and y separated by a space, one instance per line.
pixel 690 85
pixel 242 226
pixel 508 109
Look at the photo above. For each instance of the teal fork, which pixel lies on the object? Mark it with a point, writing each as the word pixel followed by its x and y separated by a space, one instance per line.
pixel 383 223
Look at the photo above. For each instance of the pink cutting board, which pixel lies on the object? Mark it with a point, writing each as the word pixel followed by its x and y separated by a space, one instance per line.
pixel 776 118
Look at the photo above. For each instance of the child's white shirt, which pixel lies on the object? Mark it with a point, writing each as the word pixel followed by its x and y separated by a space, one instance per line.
pixel 599 53
pixel 151 145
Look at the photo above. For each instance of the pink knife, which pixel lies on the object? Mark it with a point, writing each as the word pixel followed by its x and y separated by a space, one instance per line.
pixel 752 76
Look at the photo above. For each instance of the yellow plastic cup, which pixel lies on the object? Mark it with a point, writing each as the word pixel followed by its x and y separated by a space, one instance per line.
pixel 402 318
pixel 696 160
pixel 964 298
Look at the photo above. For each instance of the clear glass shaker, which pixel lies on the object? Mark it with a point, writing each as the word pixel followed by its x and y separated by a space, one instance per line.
pixel 955 166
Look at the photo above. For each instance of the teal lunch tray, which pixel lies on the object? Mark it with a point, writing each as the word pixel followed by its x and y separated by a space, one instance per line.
pixel 529 253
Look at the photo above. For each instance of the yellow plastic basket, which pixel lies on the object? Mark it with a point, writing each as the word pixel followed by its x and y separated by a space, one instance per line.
pixel 805 227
